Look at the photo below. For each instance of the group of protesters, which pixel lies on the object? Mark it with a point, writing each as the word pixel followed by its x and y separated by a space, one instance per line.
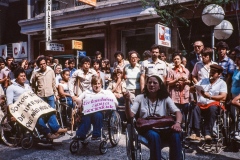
pixel 195 84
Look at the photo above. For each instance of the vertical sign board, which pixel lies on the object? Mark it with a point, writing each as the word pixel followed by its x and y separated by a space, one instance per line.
pixel 19 50
pixel 89 2
pixel 48 21
pixel 3 51
pixel 162 35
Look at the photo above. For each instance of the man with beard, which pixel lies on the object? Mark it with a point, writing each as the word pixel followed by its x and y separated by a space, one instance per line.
pixel 210 91
pixel 153 66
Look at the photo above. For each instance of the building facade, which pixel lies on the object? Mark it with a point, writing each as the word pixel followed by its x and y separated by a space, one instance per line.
pixel 109 26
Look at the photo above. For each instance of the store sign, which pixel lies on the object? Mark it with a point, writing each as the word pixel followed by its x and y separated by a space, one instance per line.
pixel 162 35
pixel 81 53
pixel 19 50
pixel 55 47
pixel 77 44
pixel 48 20
pixel 89 2
pixel 3 51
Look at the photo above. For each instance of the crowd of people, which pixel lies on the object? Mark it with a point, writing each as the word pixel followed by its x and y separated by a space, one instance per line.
pixel 193 84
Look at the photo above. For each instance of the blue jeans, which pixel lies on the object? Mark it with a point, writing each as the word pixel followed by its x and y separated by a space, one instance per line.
pixel 96 119
pixel 156 140
pixel 70 102
pixel 52 122
pixel 184 108
pixel 50 100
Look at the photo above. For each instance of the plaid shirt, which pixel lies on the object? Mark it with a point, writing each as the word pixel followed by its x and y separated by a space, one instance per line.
pixel 228 66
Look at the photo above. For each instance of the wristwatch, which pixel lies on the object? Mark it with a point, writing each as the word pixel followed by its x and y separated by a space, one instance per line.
pixel 178 122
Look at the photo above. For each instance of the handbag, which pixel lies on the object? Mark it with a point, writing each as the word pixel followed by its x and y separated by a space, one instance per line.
pixel 153 121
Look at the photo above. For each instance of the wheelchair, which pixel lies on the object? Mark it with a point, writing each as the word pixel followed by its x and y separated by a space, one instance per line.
pixel 34 137
pixel 235 121
pixel 64 112
pixel 111 131
pixel 221 133
pixel 13 134
pixel 11 131
pixel 134 141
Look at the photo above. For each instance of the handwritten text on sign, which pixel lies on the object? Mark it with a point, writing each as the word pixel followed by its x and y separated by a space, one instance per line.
pixel 98 103
pixel 28 108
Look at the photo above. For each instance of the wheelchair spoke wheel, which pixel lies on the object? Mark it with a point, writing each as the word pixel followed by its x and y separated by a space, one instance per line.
pixel 27 142
pixel 103 148
pixel 114 128
pixel 128 142
pixel 84 144
pixel 10 131
pixel 74 146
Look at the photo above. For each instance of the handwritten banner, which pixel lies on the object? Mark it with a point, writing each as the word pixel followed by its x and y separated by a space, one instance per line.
pixel 98 103
pixel 28 108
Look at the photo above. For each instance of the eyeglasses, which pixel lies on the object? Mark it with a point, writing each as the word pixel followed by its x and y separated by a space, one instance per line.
pixel 198 46
pixel 134 57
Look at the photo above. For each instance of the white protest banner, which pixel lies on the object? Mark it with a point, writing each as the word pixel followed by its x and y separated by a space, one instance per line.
pixel 28 108
pixel 98 103
pixel 19 50
pixel 3 50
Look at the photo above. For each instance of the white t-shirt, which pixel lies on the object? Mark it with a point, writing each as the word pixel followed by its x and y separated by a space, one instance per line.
pixel 216 88
pixel 163 107
pixel 133 76
pixel 201 71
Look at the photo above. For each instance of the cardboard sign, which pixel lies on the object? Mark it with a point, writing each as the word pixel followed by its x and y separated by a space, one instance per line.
pixel 98 103
pixel 19 50
pixel 28 108
pixel 3 50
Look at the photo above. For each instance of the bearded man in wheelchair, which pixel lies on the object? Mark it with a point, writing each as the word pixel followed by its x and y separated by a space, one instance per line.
pixel 155 101
pixel 15 90
pixel 210 93
pixel 96 118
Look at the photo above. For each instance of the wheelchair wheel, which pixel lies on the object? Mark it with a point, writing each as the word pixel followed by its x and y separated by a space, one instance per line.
pixel 84 144
pixel 103 148
pixel 74 146
pixel 27 142
pixel 133 146
pixel 129 142
pixel 114 128
pixel 11 133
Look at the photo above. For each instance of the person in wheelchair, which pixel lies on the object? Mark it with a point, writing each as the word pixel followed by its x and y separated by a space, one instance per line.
pixel 96 119
pixel 236 103
pixel 16 89
pixel 64 93
pixel 63 88
pixel 155 101
pixel 210 92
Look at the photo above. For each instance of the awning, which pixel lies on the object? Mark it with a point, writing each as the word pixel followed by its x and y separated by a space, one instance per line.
pixel 80 17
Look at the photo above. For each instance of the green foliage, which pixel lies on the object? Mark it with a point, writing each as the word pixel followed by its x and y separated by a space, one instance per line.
pixel 171 11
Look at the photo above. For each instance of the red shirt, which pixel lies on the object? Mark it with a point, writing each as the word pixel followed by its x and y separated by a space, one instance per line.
pixel 179 93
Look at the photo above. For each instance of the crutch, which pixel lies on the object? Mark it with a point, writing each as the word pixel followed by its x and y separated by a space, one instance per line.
pixel 72 118
pixel 60 112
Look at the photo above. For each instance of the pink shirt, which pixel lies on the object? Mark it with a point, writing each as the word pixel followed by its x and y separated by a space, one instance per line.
pixel 179 94
pixel 4 72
